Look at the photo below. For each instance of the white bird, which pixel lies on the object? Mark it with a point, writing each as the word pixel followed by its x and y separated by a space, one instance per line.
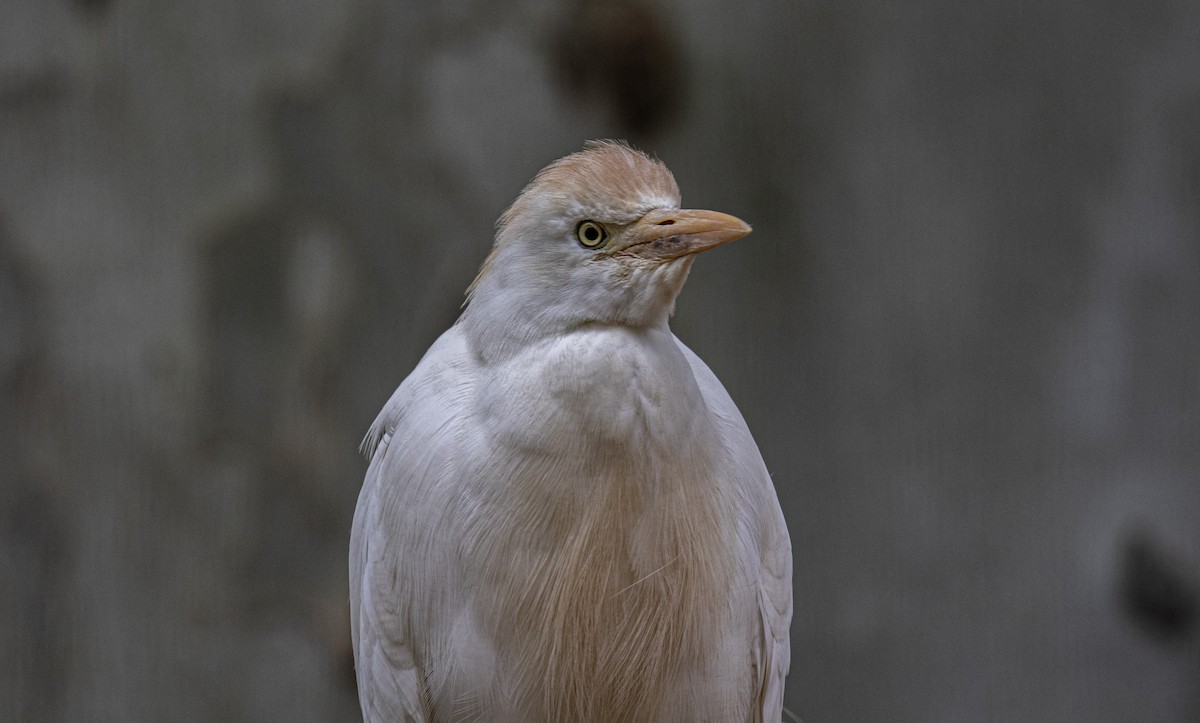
pixel 565 517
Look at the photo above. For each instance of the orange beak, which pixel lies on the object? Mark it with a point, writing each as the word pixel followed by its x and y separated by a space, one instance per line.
pixel 668 233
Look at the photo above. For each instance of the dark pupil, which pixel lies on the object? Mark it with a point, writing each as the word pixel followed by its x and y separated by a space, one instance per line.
pixel 590 233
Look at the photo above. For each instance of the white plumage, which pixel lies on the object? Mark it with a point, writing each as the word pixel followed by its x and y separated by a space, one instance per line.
pixel 565 517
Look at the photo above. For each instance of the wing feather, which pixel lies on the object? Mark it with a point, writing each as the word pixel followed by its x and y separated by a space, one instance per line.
pixel 397 546
pixel 766 531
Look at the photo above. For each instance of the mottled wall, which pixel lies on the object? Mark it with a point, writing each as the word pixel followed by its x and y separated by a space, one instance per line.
pixel 966 330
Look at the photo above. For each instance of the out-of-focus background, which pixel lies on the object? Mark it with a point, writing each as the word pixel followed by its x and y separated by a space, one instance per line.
pixel 965 332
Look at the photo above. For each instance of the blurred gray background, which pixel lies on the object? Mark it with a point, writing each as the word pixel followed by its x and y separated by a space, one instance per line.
pixel 965 332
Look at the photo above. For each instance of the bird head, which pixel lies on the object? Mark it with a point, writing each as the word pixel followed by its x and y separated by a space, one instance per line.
pixel 596 238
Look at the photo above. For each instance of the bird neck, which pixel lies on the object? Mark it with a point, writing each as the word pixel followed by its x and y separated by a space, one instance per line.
pixel 509 310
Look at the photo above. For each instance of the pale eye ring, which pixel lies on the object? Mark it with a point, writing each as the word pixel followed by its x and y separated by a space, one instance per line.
pixel 590 234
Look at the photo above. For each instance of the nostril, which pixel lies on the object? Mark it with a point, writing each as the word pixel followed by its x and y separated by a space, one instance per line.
pixel 668 222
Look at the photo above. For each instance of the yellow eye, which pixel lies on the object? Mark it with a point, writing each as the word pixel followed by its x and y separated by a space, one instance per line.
pixel 590 234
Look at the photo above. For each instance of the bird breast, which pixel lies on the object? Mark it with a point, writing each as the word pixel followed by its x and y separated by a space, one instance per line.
pixel 596 387
pixel 601 529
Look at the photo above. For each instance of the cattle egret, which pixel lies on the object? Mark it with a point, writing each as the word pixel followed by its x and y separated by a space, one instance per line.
pixel 565 517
